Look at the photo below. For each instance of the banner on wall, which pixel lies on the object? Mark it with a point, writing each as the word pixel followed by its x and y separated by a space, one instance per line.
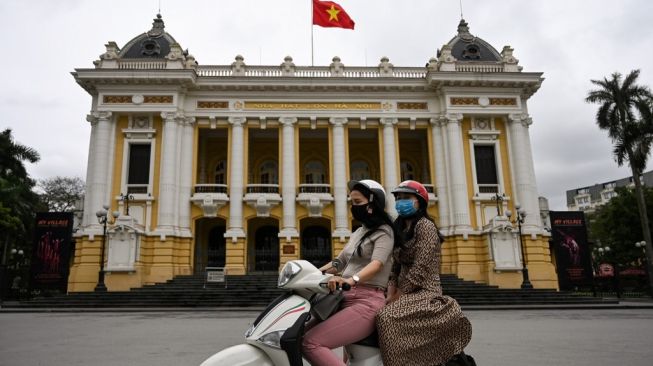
pixel 51 251
pixel 571 249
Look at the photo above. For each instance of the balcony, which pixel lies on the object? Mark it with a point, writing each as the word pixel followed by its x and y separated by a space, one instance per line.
pixel 137 188
pixel 314 197
pixel 262 197
pixel 488 188
pixel 433 197
pixel 210 197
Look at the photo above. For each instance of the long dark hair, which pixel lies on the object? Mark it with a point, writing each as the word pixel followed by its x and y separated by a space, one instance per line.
pixel 407 233
pixel 378 217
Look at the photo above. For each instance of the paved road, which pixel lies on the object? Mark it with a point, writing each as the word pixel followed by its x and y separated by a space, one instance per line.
pixel 501 338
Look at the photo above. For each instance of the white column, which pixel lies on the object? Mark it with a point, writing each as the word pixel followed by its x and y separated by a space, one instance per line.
pixel 235 229
pixel 458 187
pixel 97 174
pixel 168 174
pixel 186 175
pixel 339 177
pixel 390 176
pixel 524 171
pixel 289 188
pixel 441 187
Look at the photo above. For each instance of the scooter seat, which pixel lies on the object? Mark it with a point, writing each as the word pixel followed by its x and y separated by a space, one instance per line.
pixel 370 341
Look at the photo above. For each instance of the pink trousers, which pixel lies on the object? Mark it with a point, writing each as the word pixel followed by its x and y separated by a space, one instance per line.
pixel 352 323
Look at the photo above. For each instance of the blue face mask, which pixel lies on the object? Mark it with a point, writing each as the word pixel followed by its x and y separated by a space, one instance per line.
pixel 405 207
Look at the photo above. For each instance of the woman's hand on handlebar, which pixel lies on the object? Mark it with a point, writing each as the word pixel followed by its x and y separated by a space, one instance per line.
pixel 336 282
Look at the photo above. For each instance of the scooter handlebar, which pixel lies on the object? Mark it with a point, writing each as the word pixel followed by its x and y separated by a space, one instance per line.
pixel 345 287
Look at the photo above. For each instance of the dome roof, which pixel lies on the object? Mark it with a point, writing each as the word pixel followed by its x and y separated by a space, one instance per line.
pixel 467 47
pixel 152 44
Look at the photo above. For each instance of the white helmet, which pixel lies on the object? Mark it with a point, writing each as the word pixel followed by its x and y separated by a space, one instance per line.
pixel 376 190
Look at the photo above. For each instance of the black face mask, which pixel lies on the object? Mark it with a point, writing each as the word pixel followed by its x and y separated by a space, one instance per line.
pixel 359 212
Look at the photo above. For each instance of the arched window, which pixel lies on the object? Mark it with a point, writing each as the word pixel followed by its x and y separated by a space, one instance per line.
pixel 314 172
pixel 269 172
pixel 220 176
pixel 360 170
pixel 407 170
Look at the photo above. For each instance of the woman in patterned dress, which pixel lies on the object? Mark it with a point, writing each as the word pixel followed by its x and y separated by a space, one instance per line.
pixel 419 326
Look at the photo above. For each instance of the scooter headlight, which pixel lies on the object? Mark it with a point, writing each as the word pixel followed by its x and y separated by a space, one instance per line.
pixel 289 271
pixel 272 339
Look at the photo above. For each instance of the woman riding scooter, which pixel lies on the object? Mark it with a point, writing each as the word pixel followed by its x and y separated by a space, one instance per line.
pixel 366 261
pixel 419 326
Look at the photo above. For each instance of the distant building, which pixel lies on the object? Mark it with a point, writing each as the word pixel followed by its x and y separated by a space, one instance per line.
pixel 590 197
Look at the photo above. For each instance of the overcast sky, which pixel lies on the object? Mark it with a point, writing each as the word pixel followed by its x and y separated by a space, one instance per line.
pixel 569 41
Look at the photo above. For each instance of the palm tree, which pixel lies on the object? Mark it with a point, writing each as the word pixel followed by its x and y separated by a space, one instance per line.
pixel 626 111
pixel 16 196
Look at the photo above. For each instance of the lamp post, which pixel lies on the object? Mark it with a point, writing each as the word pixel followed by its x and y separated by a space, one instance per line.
pixel 519 219
pixel 642 244
pixel 103 219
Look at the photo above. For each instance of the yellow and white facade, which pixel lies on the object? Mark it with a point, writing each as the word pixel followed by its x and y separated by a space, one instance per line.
pixel 246 166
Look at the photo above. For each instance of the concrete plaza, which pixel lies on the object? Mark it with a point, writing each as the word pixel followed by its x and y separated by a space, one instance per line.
pixel 501 338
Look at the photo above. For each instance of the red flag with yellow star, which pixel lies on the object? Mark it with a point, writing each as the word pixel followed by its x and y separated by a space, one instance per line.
pixel 330 14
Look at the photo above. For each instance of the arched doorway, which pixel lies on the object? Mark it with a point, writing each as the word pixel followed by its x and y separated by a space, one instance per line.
pixel 316 245
pixel 210 244
pixel 263 237
pixel 315 240
pixel 266 252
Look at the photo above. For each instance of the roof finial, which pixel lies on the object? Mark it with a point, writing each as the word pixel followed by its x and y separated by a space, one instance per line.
pixel 157 27
pixel 461 8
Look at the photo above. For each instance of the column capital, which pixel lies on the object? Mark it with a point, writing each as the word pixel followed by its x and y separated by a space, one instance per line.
pixel 91 118
pixel 96 116
pixel 288 121
pixel 237 121
pixel 522 118
pixel 172 117
pixel 338 121
pixel 190 121
pixel 389 121
pixel 454 117
pixel 439 120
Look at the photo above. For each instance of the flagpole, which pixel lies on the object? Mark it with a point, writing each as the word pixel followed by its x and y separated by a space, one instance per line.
pixel 312 62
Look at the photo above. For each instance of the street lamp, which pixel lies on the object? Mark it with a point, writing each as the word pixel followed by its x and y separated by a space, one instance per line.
pixel 103 219
pixel 521 214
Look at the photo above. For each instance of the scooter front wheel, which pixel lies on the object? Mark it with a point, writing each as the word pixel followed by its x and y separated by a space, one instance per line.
pixel 240 355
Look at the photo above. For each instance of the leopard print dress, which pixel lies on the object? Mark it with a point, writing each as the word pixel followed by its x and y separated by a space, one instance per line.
pixel 422 327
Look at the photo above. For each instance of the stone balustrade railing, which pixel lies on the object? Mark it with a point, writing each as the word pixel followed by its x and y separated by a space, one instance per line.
pixel 308 71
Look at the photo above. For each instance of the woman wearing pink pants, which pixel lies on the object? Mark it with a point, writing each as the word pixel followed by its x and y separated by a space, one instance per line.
pixel 367 263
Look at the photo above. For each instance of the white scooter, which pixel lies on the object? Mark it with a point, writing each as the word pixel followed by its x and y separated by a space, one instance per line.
pixel 275 338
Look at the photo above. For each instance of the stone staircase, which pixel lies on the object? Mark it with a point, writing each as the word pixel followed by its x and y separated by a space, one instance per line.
pixel 259 290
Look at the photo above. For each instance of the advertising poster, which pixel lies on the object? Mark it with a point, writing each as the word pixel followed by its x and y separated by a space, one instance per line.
pixel 51 251
pixel 571 250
